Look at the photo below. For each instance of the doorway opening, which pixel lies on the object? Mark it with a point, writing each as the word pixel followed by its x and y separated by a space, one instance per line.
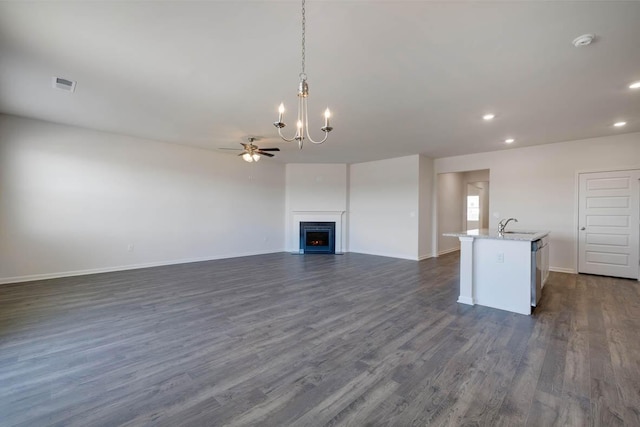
pixel 462 204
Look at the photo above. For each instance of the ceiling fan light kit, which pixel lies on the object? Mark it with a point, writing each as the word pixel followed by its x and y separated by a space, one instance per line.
pixel 302 124
pixel 251 157
pixel 252 152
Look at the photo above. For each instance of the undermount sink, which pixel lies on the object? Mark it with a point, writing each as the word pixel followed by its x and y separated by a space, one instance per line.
pixel 520 232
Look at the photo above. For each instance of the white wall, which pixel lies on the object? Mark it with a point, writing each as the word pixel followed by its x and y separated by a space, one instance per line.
pixel 485 216
pixel 316 187
pixel 384 207
pixel 425 207
pixel 320 191
pixel 537 184
pixel 475 177
pixel 451 189
pixel 472 190
pixel 73 200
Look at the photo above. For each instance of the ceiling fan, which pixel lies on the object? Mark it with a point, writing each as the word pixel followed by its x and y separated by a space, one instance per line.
pixel 251 152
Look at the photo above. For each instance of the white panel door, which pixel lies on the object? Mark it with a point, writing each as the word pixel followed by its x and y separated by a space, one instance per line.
pixel 609 223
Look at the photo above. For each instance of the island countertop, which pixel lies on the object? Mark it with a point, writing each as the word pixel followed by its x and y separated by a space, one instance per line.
pixel 487 233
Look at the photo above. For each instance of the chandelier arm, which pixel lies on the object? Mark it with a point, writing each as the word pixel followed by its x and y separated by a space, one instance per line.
pixel 326 135
pixel 284 138
pixel 306 114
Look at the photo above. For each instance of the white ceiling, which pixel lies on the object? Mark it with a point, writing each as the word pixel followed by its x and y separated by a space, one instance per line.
pixel 401 77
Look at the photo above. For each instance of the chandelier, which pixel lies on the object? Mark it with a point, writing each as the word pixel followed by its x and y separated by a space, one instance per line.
pixel 302 125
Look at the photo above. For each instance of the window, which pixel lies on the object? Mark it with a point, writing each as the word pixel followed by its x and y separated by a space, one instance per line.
pixel 473 208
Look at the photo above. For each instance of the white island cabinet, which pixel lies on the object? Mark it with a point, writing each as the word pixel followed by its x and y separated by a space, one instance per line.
pixel 500 270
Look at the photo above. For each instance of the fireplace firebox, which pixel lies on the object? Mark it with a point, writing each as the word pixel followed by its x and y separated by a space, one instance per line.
pixel 317 237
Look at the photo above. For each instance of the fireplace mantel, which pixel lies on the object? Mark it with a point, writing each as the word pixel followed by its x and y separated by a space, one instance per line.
pixel 316 216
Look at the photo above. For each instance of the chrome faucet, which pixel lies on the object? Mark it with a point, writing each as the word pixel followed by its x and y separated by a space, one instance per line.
pixel 503 224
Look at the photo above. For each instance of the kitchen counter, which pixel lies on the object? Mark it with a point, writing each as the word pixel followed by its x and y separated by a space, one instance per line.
pixel 497 270
pixel 485 233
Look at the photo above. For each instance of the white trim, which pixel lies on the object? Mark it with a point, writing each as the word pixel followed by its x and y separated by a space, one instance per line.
pixel 57 275
pixel 423 257
pixel 563 270
pixel 576 220
pixel 447 251
pixel 388 255
pixel 620 169
pixel 467 291
pixel 466 300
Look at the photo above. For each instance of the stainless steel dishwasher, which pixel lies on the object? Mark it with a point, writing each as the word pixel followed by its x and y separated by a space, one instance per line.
pixel 539 268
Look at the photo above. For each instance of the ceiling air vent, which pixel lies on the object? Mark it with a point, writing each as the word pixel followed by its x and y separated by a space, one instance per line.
pixel 584 40
pixel 63 84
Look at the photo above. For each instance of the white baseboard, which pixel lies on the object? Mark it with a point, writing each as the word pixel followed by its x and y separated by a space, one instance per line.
pixel 448 251
pixel 56 275
pixel 422 257
pixel 563 270
pixel 465 300
pixel 390 255
pixel 59 274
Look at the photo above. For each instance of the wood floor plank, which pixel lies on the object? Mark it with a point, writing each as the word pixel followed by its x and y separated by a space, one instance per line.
pixel 278 339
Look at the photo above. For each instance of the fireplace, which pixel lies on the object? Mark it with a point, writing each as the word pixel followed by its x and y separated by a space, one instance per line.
pixel 317 237
pixel 295 242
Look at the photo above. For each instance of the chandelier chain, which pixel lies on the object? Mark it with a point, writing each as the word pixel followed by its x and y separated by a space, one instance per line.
pixel 304 22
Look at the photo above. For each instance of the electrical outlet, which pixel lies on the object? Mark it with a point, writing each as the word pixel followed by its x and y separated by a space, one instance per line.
pixel 130 247
pixel 500 258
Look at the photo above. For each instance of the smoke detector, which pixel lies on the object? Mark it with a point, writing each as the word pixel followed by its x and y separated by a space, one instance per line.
pixel 63 84
pixel 584 40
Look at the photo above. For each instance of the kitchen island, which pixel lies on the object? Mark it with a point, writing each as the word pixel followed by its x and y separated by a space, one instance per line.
pixel 499 270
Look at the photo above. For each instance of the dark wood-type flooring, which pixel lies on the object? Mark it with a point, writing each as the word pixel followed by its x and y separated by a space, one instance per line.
pixel 315 340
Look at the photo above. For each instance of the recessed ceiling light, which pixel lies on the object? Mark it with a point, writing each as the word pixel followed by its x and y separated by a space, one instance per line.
pixel 635 85
pixel 509 140
pixel 619 124
pixel 489 116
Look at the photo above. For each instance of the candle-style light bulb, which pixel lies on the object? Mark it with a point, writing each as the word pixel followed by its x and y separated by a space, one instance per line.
pixel 299 131
pixel 327 114
pixel 280 112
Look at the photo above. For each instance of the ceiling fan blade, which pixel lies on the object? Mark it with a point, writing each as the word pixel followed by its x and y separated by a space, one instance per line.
pixel 270 149
pixel 230 149
pixel 262 153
